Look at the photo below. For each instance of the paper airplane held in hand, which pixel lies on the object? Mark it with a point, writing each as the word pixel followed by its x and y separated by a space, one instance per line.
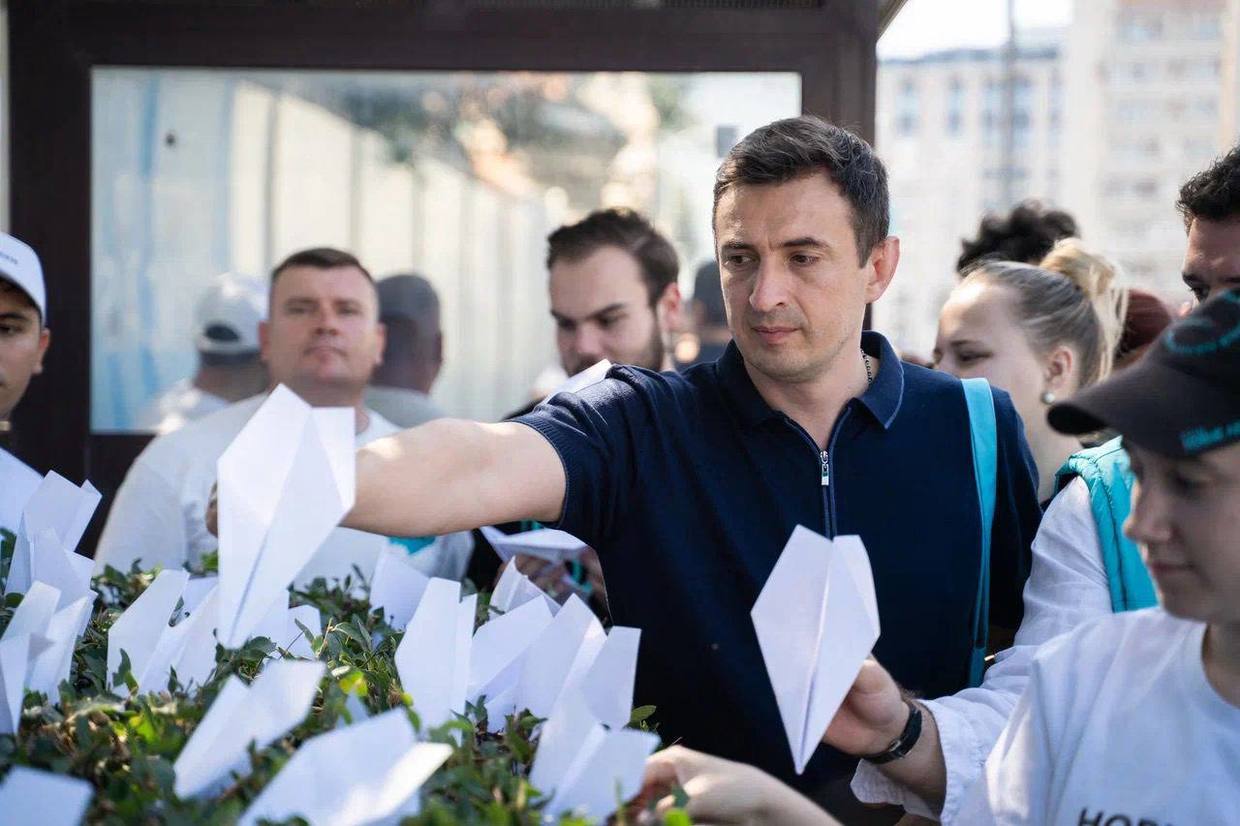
pixel 817 621
pixel 543 543
pixel 285 483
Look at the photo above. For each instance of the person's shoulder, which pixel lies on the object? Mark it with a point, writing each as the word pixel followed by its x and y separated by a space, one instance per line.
pixel 199 441
pixel 378 427
pixel 1127 637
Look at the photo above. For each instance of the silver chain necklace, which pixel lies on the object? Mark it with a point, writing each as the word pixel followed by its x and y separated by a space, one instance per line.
pixel 869 371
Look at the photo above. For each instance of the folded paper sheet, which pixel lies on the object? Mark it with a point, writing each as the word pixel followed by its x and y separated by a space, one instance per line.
pixel 544 543
pixel 817 621
pixel 585 768
pixel 558 660
pixel 30 797
pixel 514 589
pixel 397 586
pixel 260 713
pixel 285 483
pixel 20 649
pixel 433 657
pixel 497 654
pixel 363 773
pixel 53 521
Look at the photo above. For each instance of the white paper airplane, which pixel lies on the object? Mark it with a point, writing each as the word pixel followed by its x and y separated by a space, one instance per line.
pixel 285 483
pixel 498 652
pixel 260 713
pixel 544 543
pixel 53 521
pixel 817 621
pixel 359 774
pixel 397 586
pixel 608 683
pixel 558 660
pixel 30 797
pixel 583 767
pixel 433 657
pixel 580 381
pixel 37 616
pixel 514 589
pixel 23 646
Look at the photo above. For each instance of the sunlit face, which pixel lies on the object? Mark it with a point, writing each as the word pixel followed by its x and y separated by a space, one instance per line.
pixel 1212 260
pixel 981 336
pixel 602 310
pixel 23 341
pixel 323 338
pixel 793 287
pixel 1186 518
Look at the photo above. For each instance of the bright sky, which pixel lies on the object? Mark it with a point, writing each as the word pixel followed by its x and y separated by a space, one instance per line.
pixel 932 25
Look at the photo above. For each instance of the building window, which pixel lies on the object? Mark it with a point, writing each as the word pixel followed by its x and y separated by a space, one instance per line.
pixel 1135 27
pixel 955 106
pixel 906 108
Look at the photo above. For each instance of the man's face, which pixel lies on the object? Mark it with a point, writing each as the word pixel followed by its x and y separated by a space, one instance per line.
pixel 1186 518
pixel 602 310
pixel 323 338
pixel 1212 261
pixel 794 290
pixel 23 341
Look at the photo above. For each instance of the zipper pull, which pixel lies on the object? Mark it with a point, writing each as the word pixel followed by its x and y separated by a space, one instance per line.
pixel 826 469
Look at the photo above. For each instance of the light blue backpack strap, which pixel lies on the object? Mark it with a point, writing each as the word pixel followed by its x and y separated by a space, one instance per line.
pixel 983 433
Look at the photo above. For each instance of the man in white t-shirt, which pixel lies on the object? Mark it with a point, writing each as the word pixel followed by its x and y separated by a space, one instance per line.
pixel 23 341
pixel 1135 718
pixel 322 339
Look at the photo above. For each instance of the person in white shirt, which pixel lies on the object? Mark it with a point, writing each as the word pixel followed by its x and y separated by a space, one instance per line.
pixel 24 338
pixel 226 321
pixel 1135 718
pixel 322 339
pixel 413 356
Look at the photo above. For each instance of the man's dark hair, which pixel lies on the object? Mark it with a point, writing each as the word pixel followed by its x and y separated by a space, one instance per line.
pixel 323 258
pixel 625 229
pixel 1214 193
pixel 795 147
pixel 1026 234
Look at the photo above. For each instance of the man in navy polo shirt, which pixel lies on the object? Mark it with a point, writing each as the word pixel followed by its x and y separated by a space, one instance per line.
pixel 689 485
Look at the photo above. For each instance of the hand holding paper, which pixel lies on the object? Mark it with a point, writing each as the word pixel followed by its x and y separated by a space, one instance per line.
pixel 817 621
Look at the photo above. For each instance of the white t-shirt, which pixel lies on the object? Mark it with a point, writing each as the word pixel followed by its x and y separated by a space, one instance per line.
pixel 1067 587
pixel 405 408
pixel 159 516
pixel 1119 725
pixel 17 483
pixel 177 406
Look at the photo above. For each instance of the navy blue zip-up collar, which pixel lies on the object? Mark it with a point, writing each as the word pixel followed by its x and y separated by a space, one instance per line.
pixel 882 399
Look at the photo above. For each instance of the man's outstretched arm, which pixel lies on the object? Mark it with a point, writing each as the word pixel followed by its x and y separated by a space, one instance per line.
pixel 453 475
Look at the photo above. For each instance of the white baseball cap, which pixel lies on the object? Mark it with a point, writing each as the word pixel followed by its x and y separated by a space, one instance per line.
pixel 228 314
pixel 20 265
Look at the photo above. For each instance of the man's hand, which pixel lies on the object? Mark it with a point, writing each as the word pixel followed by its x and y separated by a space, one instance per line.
pixel 873 713
pixel 725 793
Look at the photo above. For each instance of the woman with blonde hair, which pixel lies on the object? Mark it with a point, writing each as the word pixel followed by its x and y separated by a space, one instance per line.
pixel 1039 332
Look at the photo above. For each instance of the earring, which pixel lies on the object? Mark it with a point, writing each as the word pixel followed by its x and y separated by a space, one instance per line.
pixel 1048 397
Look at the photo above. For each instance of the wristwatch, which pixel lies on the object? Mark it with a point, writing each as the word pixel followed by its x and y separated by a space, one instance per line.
pixel 903 744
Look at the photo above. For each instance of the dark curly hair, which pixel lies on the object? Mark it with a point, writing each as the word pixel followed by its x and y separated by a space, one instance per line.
pixel 1214 193
pixel 1026 234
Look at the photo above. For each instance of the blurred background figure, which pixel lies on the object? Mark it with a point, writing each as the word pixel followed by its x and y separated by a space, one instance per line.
pixel 1038 334
pixel 710 334
pixel 413 356
pixel 1026 234
pixel 226 323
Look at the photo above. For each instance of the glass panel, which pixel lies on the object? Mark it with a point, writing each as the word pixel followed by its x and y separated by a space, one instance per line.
pixel 458 176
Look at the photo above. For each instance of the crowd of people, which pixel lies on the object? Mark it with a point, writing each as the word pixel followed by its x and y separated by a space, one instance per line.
pixel 1060 621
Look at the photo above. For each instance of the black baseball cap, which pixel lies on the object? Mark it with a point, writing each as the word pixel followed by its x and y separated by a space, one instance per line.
pixel 1182 398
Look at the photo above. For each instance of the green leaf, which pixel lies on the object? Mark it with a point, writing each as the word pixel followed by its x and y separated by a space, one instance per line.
pixel 640 715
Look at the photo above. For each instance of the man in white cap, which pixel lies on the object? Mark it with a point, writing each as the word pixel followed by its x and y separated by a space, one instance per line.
pixel 23 341
pixel 229 368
